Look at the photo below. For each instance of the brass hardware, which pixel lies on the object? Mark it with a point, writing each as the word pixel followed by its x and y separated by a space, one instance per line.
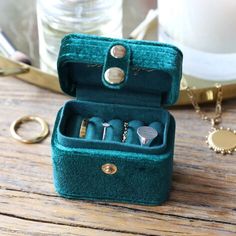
pixel 83 128
pixel 109 169
pixel 16 124
pixel 221 140
pixel 13 71
pixel 114 75
pixel 118 51
pixel 209 95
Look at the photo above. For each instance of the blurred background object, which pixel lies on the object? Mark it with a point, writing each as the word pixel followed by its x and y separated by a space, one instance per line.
pixel 19 22
pixel 9 50
pixel 57 18
pixel 205 32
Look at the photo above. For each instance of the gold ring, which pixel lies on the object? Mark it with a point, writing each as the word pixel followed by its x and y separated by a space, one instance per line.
pixel 83 128
pixel 17 123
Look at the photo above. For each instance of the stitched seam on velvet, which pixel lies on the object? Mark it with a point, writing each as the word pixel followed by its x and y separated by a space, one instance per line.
pixel 73 48
pixel 86 151
pixel 74 153
pixel 109 40
pixel 73 51
pixel 76 59
pixel 158 149
pixel 76 55
pixel 166 50
pixel 65 59
pixel 76 37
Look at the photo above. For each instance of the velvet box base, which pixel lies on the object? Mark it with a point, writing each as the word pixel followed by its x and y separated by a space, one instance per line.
pixel 143 177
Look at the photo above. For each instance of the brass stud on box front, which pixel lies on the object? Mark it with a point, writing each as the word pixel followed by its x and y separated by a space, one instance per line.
pixel 109 169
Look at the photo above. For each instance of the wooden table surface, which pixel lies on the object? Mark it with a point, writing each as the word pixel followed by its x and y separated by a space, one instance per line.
pixel 202 202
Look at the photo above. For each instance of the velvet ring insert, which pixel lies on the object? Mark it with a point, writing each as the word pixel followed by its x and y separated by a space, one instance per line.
pixel 83 128
pixel 17 123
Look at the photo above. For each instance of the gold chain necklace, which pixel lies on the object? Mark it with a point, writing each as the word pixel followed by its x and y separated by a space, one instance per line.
pixel 221 140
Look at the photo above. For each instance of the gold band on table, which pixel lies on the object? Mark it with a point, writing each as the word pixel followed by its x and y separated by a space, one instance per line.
pixel 17 123
pixel 83 128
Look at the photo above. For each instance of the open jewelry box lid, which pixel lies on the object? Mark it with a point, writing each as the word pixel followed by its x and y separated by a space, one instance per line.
pixel 118 71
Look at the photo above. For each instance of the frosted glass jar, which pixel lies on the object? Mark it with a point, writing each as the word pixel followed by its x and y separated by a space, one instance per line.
pixel 205 31
pixel 59 17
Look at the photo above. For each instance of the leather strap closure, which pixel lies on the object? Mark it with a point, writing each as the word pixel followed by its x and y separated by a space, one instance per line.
pixel 116 65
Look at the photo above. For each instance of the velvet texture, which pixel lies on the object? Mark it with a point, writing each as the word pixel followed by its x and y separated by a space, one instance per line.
pixel 152 77
pixel 73 112
pixel 140 179
pixel 152 71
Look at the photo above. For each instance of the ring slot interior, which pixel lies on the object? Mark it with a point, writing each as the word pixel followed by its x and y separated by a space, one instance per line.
pixel 74 112
pixel 132 136
pixel 160 130
pixel 114 132
pixel 72 127
pixel 94 129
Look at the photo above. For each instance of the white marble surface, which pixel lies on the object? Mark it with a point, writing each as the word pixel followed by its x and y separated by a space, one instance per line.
pixel 18 21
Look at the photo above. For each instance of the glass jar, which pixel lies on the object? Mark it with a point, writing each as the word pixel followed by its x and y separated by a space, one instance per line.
pixel 204 30
pixel 59 17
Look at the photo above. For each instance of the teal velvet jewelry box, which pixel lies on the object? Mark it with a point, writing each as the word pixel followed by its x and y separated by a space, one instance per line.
pixel 125 83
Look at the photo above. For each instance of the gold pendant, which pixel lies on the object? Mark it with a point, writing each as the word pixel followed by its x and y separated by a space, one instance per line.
pixel 222 140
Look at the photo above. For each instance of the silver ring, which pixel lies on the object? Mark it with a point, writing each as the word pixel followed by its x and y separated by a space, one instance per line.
pixel 105 126
pixel 125 132
pixel 146 135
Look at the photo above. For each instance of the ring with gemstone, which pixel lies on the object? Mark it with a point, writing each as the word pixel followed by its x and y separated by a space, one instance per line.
pixel 125 132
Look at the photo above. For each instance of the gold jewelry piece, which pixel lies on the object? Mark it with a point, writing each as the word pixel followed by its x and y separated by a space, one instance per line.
pixel 221 140
pixel 83 128
pixel 125 132
pixel 17 123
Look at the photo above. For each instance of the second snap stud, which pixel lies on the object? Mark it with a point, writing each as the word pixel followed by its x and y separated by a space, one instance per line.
pixel 118 51
pixel 114 75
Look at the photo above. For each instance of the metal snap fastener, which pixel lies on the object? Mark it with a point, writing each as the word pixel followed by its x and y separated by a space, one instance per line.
pixel 114 75
pixel 109 169
pixel 118 51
